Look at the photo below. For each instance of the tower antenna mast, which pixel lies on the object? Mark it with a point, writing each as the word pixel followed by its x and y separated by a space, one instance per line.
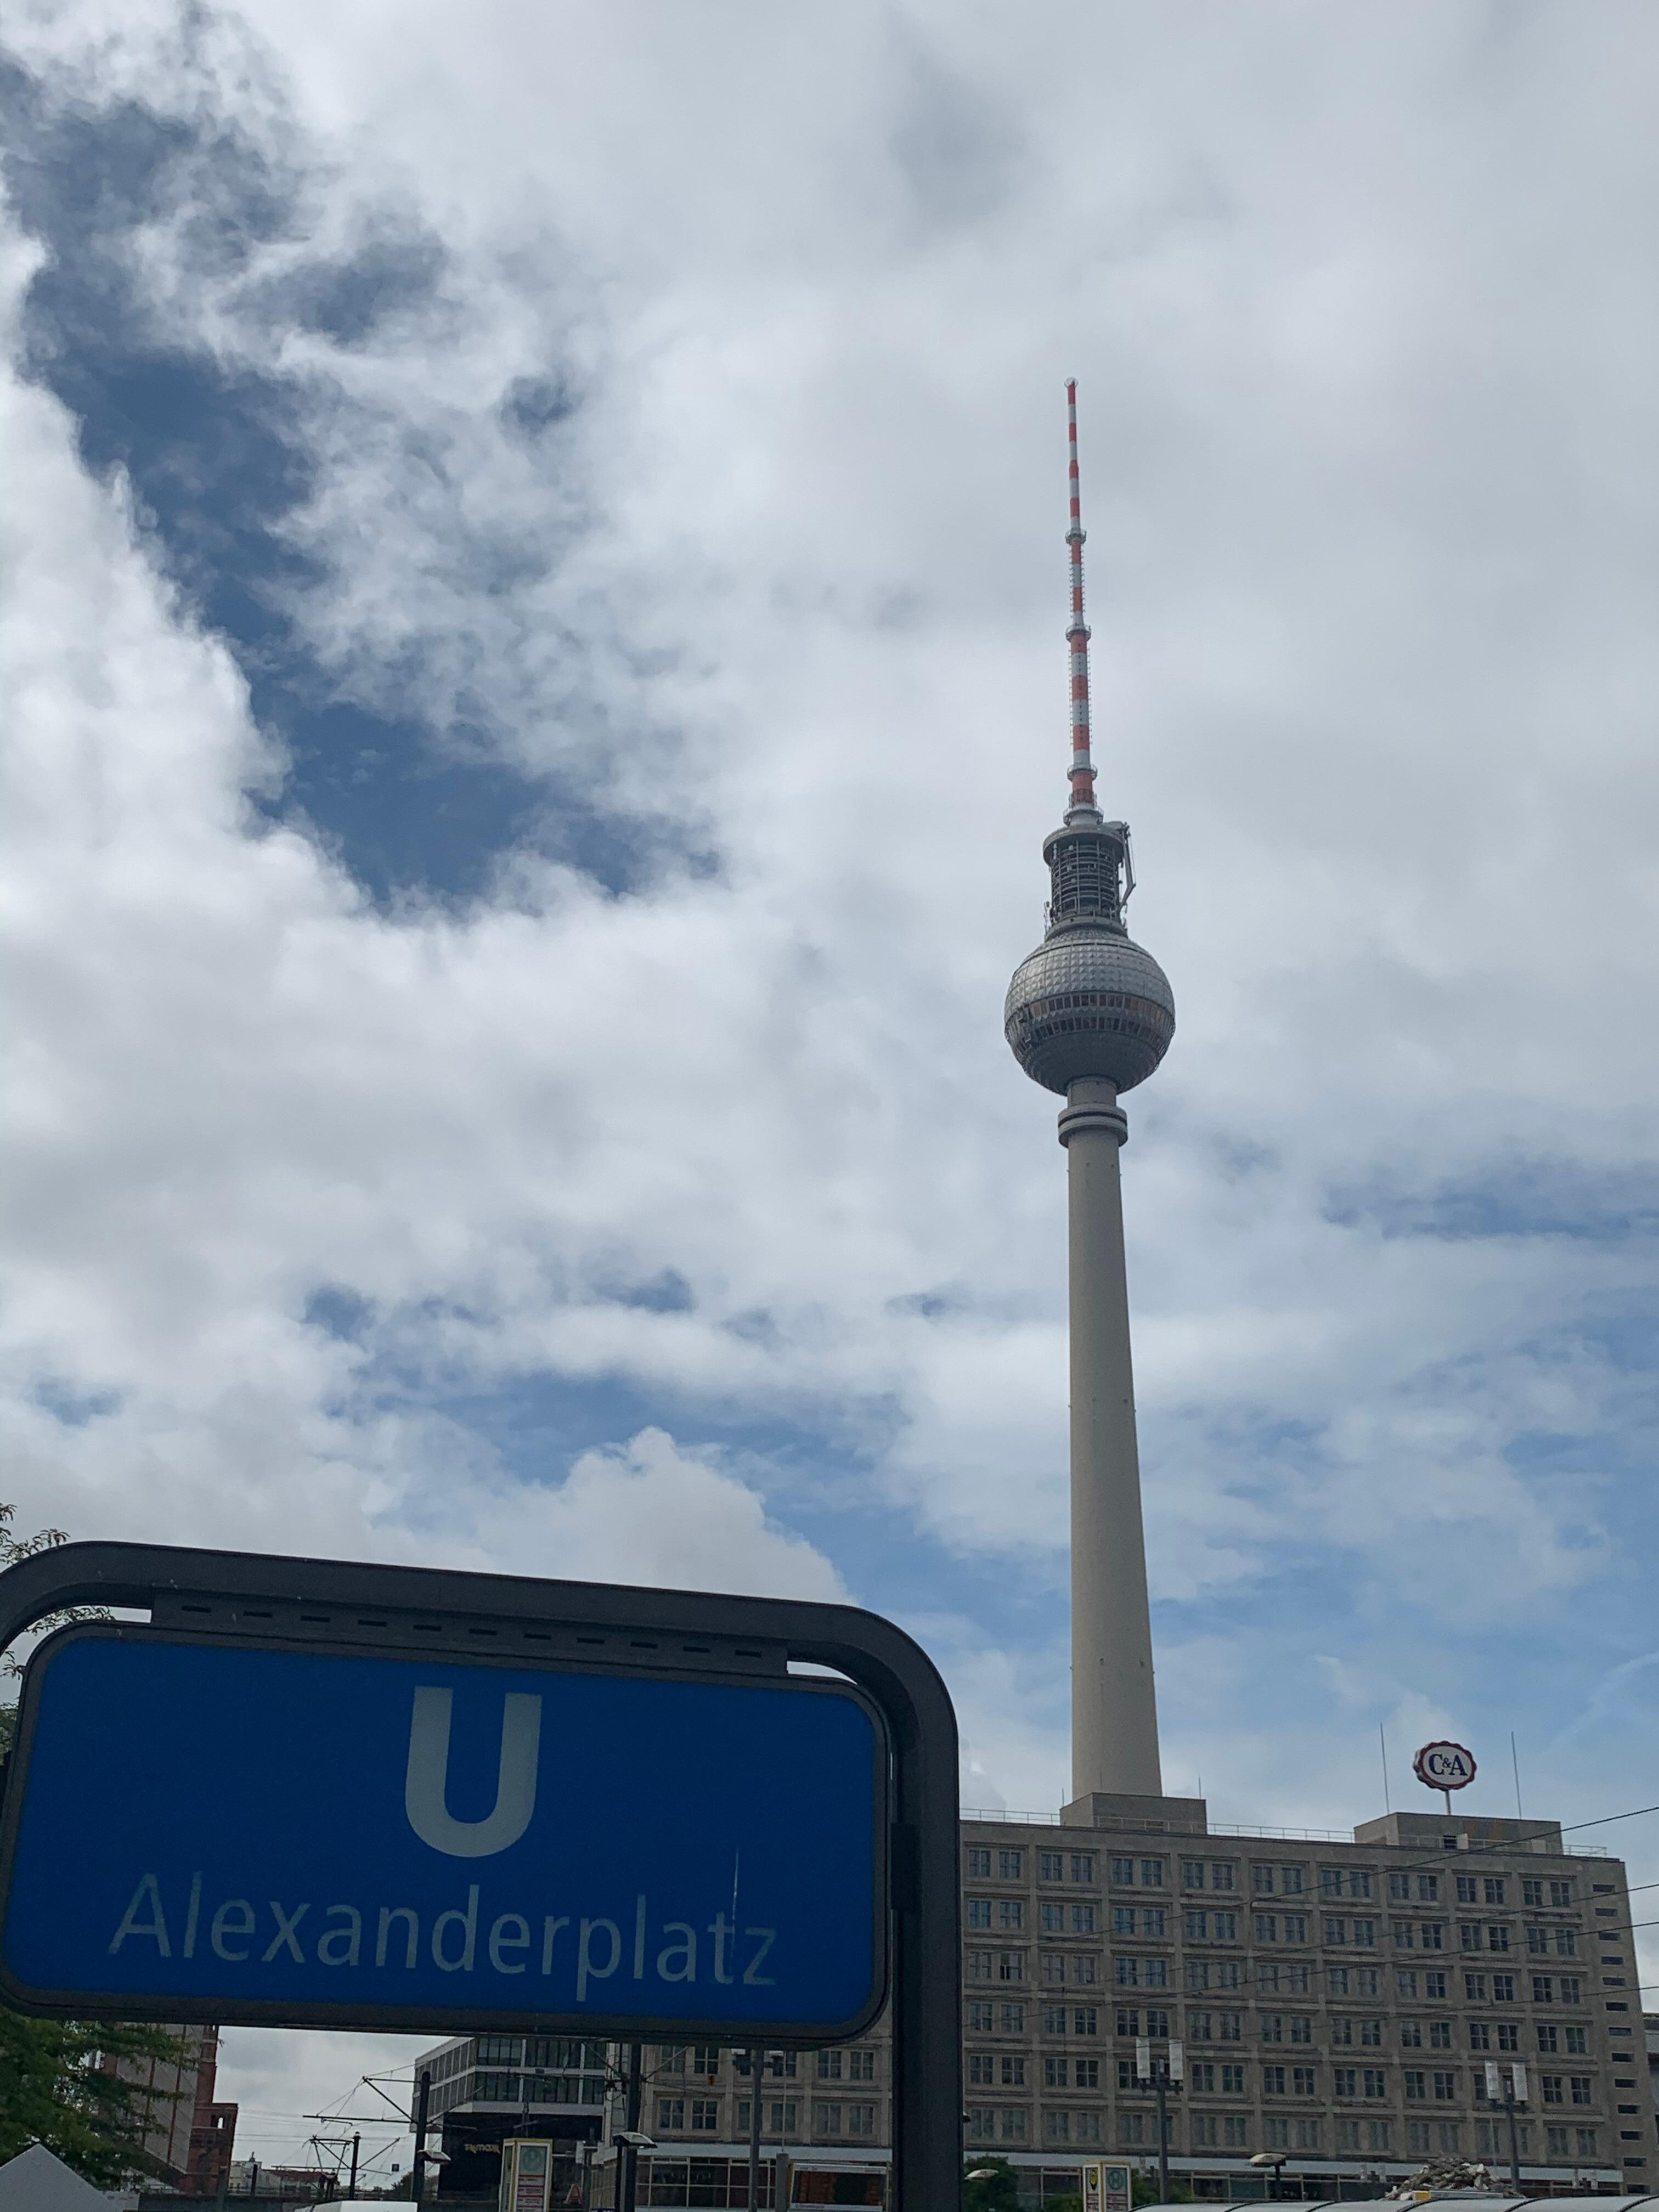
pixel 1076 634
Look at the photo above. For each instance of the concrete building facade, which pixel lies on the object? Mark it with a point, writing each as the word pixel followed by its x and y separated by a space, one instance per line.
pixel 1336 1999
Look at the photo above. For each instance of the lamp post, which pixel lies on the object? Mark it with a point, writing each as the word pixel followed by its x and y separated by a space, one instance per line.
pixel 422 2102
pixel 1511 2087
pixel 1165 2073
pixel 755 2062
pixel 628 2178
pixel 1272 2162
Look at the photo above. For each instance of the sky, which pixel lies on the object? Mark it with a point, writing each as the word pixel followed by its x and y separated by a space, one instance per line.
pixel 532 633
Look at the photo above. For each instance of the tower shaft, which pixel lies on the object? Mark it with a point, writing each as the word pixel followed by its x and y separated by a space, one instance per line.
pixel 1114 1703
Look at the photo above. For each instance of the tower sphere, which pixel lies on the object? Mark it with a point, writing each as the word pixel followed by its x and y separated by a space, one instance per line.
pixel 1089 1001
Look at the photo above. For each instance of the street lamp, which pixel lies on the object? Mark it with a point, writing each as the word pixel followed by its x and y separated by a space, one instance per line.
pixel 1167 2073
pixel 1513 2092
pixel 1272 2162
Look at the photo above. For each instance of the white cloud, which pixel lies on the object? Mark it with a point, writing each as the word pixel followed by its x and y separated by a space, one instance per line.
pixel 1359 304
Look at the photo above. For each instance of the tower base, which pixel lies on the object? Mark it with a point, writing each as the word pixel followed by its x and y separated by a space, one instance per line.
pixel 1116 1809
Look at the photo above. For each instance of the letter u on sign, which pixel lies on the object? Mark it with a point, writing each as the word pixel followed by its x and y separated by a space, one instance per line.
pixel 426 1784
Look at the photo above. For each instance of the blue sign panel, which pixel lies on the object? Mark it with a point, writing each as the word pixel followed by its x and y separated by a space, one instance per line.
pixel 248 1831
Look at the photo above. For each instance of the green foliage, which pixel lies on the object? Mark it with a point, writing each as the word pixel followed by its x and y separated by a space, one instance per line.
pixel 54 2090
pixel 1143 2189
pixel 13 1548
pixel 992 2186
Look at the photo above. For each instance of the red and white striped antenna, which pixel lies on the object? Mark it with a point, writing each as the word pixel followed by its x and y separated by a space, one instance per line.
pixel 1077 633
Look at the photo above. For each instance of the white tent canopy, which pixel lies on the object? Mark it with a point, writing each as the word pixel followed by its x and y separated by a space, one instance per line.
pixel 35 2181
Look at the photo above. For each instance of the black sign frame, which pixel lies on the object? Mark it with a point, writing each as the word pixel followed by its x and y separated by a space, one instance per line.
pixel 358 1607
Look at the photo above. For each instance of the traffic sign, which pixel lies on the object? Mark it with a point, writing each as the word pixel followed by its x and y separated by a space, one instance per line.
pixel 206 1829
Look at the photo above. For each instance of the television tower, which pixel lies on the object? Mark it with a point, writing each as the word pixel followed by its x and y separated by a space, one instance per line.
pixel 1090 1014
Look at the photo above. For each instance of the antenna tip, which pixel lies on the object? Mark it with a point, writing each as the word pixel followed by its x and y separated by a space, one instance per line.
pixel 1071 387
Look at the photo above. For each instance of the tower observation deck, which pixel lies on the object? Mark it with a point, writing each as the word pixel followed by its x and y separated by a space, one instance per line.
pixel 1090 1014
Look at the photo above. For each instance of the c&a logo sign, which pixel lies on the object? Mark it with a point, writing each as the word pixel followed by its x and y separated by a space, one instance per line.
pixel 1444 1766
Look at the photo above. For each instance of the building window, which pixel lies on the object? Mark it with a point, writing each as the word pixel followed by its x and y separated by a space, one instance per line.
pixel 1051 1866
pixel 1057 2127
pixel 1578 2043
pixel 1051 1919
pixel 1051 1966
pixel 826 2119
pixel 1205 2131
pixel 1345 2081
pixel 981 2121
pixel 1083 1920
pixel 1560 1893
pixel 1123 1872
pixel 1235 2131
pixel 1583 2089
pixel 1085 2020
pixel 979 1913
pixel 1012 2124
pixel 979 1966
pixel 1191 1873
pixel 1013 2071
pixel 1273 2080
pixel 1010 1966
pixel 1011 1865
pixel 670 2114
pixel 861 2120
pixel 861 2065
pixel 1267 1927
pixel 1411 2034
pixel 1373 2081
pixel 1011 2019
pixel 1232 2080
pixel 1554 2088
pixel 1085 1970
pixel 980 2016
pixel 1445 2087
pixel 979 1863
pixel 705 2116
pixel 1083 1866
pixel 981 2070
pixel 1151 1875
pixel 1416 2083
pixel 1010 1913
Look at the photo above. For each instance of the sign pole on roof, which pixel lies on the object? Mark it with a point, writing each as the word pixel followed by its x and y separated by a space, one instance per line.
pixel 574 1808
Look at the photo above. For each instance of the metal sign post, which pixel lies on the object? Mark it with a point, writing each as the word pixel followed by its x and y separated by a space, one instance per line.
pixel 573 1808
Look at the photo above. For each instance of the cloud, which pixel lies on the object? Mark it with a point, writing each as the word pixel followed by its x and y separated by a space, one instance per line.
pixel 524 790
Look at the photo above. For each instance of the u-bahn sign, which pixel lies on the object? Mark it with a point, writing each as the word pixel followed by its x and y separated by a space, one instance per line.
pixel 306 1793
pixel 1444 1766
pixel 288 1834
